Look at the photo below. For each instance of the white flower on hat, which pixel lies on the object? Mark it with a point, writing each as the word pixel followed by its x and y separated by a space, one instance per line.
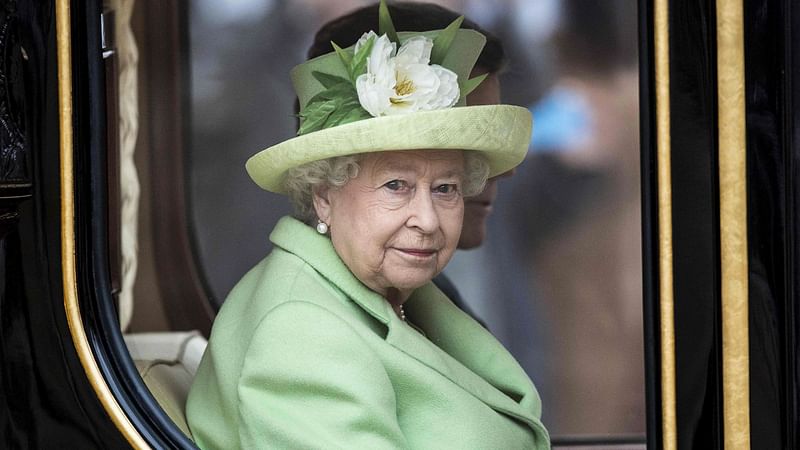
pixel 403 81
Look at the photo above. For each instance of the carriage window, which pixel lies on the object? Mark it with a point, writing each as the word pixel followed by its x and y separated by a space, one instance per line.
pixel 558 277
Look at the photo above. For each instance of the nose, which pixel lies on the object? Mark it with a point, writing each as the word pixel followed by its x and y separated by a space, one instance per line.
pixel 422 214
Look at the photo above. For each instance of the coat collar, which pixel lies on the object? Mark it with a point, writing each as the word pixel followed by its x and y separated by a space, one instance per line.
pixel 464 352
pixel 469 355
pixel 317 250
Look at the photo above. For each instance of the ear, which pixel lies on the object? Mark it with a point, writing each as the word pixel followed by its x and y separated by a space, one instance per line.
pixel 322 204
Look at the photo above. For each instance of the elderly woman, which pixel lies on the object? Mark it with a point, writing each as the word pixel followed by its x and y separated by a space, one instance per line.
pixel 415 16
pixel 338 338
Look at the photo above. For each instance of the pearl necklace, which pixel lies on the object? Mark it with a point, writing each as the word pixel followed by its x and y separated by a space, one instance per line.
pixel 402 313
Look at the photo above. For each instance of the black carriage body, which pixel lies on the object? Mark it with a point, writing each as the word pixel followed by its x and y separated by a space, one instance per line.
pixel 49 398
pixel 697 78
pixel 72 384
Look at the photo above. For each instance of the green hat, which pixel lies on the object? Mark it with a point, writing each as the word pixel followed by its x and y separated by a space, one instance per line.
pixel 396 91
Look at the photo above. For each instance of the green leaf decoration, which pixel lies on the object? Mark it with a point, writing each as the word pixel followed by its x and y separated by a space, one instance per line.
pixel 470 85
pixel 319 98
pixel 385 24
pixel 336 116
pixel 355 114
pixel 359 63
pixel 349 111
pixel 336 105
pixel 343 54
pixel 441 44
pixel 340 92
pixel 314 116
pixel 327 80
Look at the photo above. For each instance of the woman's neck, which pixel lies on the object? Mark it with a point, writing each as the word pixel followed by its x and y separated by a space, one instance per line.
pixel 396 298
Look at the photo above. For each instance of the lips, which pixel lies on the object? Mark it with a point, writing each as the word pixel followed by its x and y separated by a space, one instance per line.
pixel 418 252
pixel 417 255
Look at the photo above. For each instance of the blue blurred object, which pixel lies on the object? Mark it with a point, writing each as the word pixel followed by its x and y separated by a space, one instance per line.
pixel 562 120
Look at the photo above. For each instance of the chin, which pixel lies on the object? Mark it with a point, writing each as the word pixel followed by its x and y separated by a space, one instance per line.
pixel 409 283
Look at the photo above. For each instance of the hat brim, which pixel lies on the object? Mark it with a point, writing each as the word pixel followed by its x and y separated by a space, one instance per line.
pixel 500 132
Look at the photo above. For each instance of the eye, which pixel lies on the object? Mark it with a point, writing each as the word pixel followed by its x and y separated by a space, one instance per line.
pixel 446 189
pixel 395 185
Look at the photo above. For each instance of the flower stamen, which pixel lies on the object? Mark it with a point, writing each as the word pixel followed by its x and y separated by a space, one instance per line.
pixel 404 87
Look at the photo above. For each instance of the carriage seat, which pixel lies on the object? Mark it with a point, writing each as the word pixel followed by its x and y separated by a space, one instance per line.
pixel 167 362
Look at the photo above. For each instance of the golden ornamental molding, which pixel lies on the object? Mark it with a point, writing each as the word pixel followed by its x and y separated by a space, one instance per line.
pixel 68 264
pixel 666 295
pixel 733 224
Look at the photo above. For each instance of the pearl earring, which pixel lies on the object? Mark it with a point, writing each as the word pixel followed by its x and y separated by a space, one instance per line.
pixel 322 227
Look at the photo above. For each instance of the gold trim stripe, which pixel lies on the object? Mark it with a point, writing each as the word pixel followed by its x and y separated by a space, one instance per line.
pixel 733 224
pixel 666 297
pixel 71 305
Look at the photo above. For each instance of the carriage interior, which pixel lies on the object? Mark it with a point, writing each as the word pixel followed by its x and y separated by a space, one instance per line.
pixel 185 217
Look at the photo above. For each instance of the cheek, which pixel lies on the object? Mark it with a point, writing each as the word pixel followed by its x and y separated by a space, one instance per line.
pixel 374 229
pixel 365 231
pixel 451 222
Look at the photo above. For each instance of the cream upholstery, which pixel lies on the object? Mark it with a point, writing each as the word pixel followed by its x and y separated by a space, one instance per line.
pixel 167 363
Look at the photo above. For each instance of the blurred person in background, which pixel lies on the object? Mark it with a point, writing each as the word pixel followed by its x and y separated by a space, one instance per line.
pixel 578 238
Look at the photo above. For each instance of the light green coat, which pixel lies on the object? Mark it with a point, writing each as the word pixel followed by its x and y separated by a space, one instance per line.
pixel 303 355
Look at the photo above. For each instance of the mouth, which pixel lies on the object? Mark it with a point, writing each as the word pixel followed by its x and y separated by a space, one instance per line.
pixel 418 253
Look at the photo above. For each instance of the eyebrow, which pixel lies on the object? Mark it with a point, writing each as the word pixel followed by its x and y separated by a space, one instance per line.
pixel 406 167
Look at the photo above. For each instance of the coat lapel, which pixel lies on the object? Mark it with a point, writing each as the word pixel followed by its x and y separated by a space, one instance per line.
pixel 317 250
pixel 464 352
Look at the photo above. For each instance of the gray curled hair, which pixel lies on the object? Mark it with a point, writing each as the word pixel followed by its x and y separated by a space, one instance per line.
pixel 301 181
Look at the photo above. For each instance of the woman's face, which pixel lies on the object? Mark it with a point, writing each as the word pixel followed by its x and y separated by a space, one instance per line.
pixel 397 223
